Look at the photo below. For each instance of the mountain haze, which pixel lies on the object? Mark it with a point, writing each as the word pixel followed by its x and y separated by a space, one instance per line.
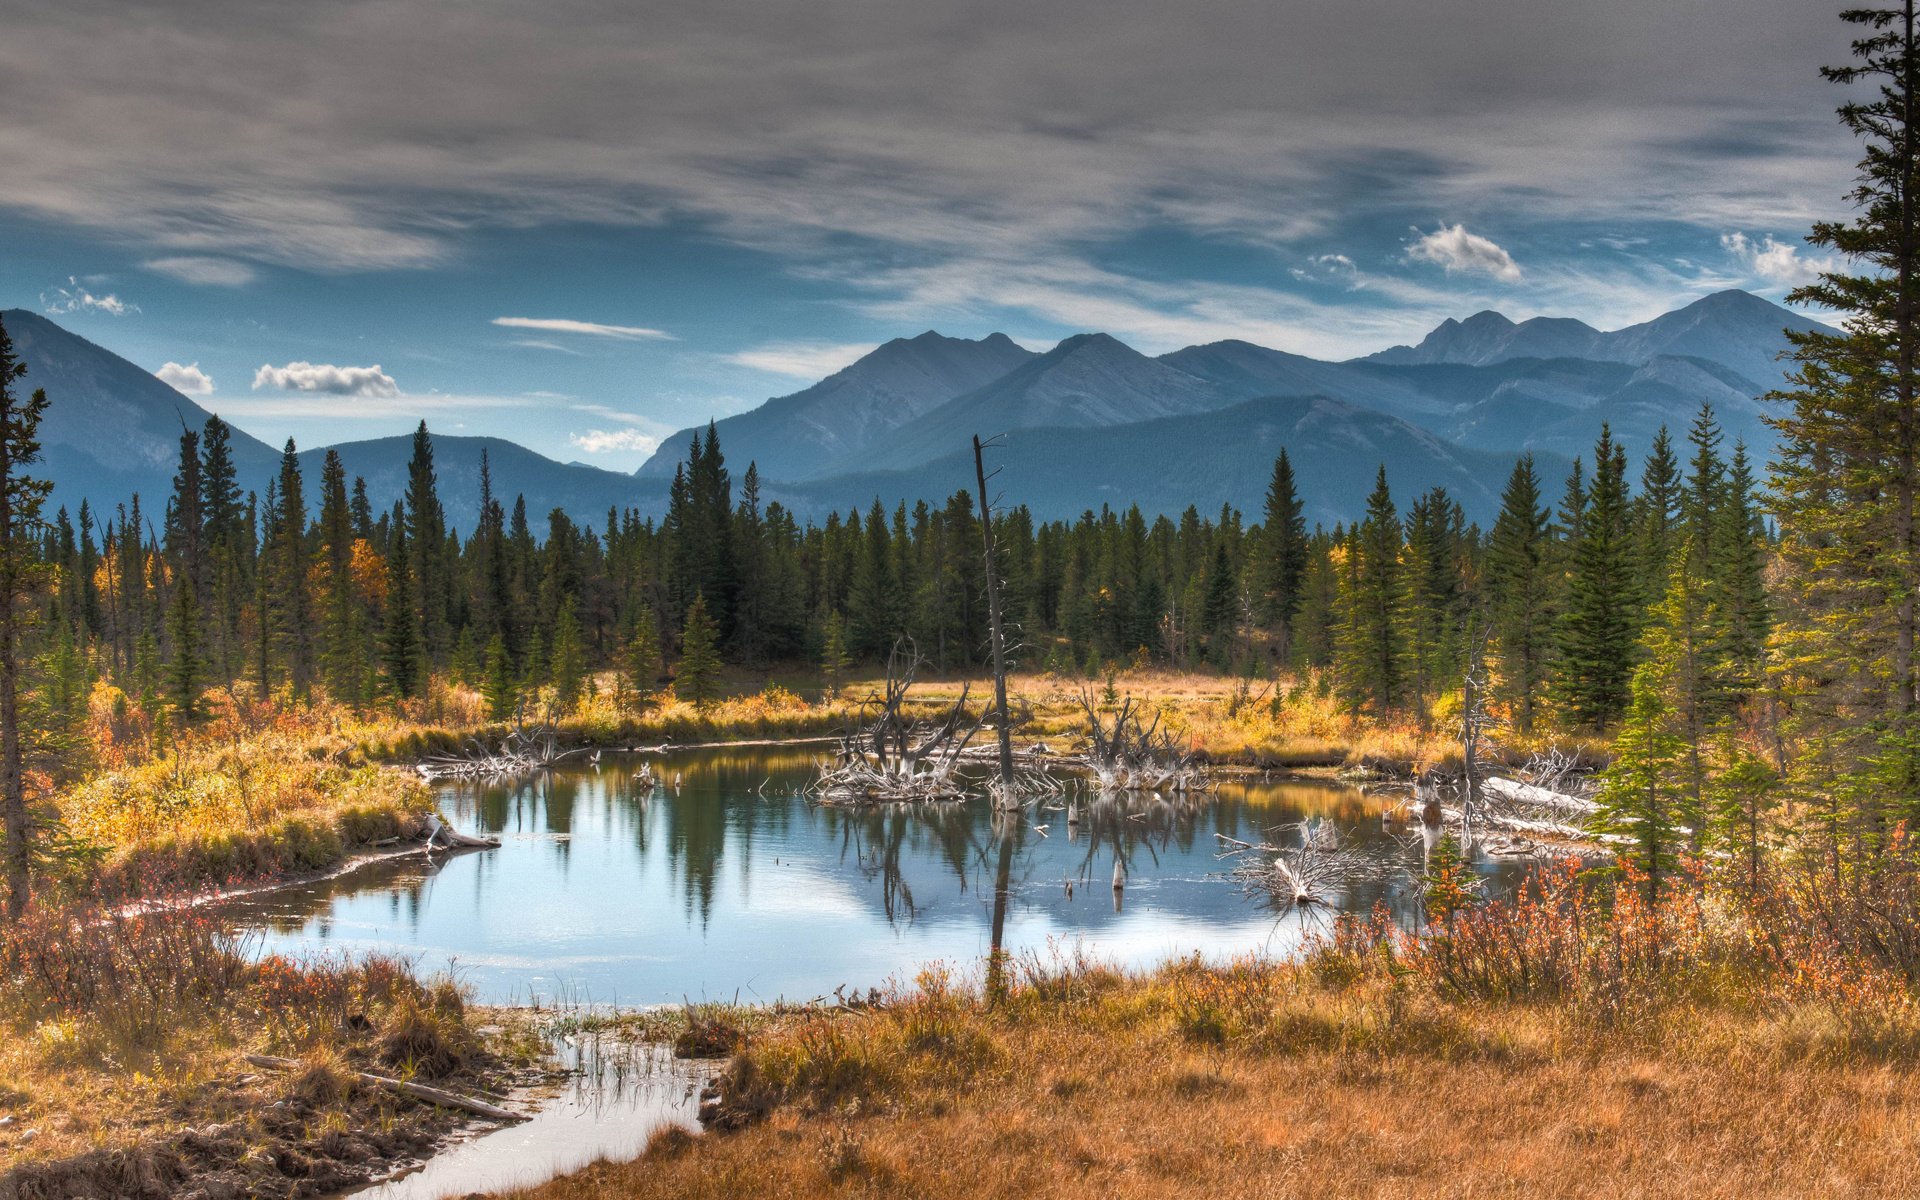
pixel 111 429
pixel 823 429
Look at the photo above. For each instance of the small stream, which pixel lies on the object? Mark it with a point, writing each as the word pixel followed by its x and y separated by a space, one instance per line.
pixel 618 1097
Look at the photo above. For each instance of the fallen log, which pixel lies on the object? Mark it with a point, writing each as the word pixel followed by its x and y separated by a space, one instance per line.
pixel 419 1091
pixel 1513 791
pixel 439 833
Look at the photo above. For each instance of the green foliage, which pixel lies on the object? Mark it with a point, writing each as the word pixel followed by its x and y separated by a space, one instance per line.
pixel 1448 883
pixel 1641 792
pixel 698 679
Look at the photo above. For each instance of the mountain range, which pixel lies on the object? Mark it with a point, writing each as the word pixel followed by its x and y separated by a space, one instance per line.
pixel 1087 422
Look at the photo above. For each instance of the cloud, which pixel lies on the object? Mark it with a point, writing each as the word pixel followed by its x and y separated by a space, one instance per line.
pixel 203 270
pixel 189 379
pixel 802 360
pixel 541 344
pixel 327 379
pixel 75 298
pixel 615 441
pixel 589 328
pixel 1775 262
pixel 1453 248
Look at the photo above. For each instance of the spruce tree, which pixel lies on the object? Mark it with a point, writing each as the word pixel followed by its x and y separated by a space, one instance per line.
pixel 643 667
pixel 292 600
pixel 1282 559
pixel 497 683
pixel 1601 620
pixel 21 499
pixel 834 660
pixel 1371 661
pixel 401 640
pixel 569 662
pixel 1640 793
pixel 1519 583
pixel 343 627
pixel 698 679
pixel 1847 479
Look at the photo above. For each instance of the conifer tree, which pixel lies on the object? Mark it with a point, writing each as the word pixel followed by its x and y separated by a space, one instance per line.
pixel 1371 643
pixel 401 640
pixel 1282 559
pixel 343 626
pixel 427 534
pixel 569 665
pixel 643 655
pixel 21 499
pixel 1847 479
pixel 873 605
pixel 291 598
pixel 1602 616
pixel 698 679
pixel 1519 582
pixel 496 682
pixel 1640 794
pixel 834 659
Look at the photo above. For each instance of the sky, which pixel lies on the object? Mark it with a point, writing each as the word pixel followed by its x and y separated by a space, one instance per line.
pixel 582 224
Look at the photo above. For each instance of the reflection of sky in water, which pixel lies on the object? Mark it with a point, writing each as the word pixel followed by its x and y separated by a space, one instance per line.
pixel 603 894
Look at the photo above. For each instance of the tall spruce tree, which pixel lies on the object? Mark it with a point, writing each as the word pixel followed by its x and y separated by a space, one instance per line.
pixel 1847 479
pixel 1521 593
pixel 1371 653
pixel 21 499
pixel 1601 620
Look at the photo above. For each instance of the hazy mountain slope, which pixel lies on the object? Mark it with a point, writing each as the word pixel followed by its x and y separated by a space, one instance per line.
pixel 1247 371
pixel 111 429
pixel 1088 381
pixel 586 493
pixel 1223 456
pixel 829 425
pixel 1736 329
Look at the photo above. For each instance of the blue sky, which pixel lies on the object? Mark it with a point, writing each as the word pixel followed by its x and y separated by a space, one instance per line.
pixel 584 224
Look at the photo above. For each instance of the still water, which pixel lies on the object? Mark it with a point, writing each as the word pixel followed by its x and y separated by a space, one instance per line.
pixel 736 887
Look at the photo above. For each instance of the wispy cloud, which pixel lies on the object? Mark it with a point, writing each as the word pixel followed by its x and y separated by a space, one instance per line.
pixel 614 441
pixel 542 344
pixel 328 379
pixel 588 328
pixel 1455 249
pixel 189 379
pixel 801 360
pixel 76 298
pixel 203 270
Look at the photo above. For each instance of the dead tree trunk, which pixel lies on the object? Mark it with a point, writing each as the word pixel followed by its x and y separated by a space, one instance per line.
pixel 994 631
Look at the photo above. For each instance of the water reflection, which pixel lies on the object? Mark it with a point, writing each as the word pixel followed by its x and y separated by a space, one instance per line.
pixel 610 890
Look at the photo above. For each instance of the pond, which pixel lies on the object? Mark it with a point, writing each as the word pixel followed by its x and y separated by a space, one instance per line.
pixel 735 886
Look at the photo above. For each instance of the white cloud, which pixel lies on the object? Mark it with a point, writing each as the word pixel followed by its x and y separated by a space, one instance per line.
pixel 1453 248
pixel 590 328
pixel 189 379
pixel 75 298
pixel 203 270
pixel 324 377
pixel 541 344
pixel 615 441
pixel 1776 262
pixel 802 360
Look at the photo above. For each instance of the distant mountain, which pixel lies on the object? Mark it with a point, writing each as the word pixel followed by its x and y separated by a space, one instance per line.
pixel 1088 381
pixel 585 493
pixel 827 427
pixel 1736 329
pixel 111 429
pixel 1204 460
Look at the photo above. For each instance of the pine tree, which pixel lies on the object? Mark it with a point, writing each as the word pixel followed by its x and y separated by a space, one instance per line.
pixel 1847 479
pixel 1659 512
pixel 873 605
pixel 427 532
pixel 1640 792
pixel 21 499
pixel 1371 649
pixel 834 659
pixel 569 665
pixel 497 684
pixel 643 656
pixel 1601 620
pixel 698 679
pixel 1282 560
pixel 1519 583
pixel 1447 884
pixel 402 635
pixel 343 627
pixel 1744 798
pixel 293 631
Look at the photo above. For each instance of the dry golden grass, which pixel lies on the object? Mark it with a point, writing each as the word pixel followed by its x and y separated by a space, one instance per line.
pixel 1116 1087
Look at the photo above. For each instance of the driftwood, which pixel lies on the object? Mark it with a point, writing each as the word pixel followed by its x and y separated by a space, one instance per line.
pixel 1513 791
pixel 439 833
pixel 1306 874
pixel 891 758
pixel 1131 757
pixel 525 748
pixel 419 1091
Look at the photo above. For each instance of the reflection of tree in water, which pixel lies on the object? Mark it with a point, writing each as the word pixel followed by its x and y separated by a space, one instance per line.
pixel 881 839
pixel 723 795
